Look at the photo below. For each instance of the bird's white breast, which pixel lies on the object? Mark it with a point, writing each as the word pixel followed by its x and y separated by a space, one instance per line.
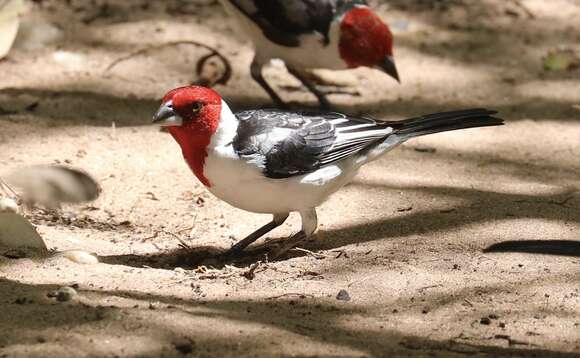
pixel 241 182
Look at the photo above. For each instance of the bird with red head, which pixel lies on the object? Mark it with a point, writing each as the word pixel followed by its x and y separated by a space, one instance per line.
pixel 307 35
pixel 277 162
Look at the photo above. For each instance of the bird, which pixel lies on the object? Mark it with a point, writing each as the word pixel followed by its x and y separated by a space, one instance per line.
pixel 313 34
pixel 275 161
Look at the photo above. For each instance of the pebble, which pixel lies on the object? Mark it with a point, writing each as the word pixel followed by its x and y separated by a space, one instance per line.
pixel 63 294
pixel 80 257
pixel 183 346
pixel 343 295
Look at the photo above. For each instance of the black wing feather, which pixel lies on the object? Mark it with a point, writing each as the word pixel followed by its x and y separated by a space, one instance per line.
pixel 285 144
pixel 283 21
pixel 294 143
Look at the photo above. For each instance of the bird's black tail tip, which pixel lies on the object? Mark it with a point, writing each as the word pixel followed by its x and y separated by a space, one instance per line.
pixel 447 121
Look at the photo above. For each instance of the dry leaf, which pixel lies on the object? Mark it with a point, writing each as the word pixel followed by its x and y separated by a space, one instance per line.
pixel 562 60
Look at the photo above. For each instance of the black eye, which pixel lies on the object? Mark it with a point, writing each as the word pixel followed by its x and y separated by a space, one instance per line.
pixel 196 107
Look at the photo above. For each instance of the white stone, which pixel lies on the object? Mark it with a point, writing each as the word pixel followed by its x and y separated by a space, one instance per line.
pixel 17 232
pixel 9 22
pixel 80 257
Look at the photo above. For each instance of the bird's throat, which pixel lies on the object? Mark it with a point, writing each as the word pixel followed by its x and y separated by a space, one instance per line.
pixel 194 152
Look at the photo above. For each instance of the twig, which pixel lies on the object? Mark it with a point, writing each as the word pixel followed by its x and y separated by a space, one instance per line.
pixel 428 287
pixel 213 276
pixel 340 253
pixel 316 255
pixel 301 295
pixel 182 243
pixel 154 236
pixel 250 274
pixel 200 64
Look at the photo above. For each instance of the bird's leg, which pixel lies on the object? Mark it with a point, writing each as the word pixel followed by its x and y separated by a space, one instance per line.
pixel 309 224
pixel 324 104
pixel 256 72
pixel 277 220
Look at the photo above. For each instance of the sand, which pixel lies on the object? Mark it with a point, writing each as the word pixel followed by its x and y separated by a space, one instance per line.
pixel 408 240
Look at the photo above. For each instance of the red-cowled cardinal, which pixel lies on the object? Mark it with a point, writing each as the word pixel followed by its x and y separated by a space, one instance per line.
pixel 309 34
pixel 276 162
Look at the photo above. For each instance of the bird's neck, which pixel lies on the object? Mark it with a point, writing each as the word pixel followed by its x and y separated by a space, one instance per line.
pixel 196 148
pixel 194 152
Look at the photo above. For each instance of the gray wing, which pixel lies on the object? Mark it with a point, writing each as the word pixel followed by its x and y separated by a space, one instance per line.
pixel 286 144
pixel 283 21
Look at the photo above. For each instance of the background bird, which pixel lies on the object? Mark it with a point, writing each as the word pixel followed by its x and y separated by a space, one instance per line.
pixel 277 162
pixel 308 34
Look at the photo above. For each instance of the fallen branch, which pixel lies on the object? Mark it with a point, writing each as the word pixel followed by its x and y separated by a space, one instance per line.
pixel 223 79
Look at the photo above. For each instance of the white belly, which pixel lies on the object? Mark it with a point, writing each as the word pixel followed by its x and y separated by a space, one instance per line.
pixel 241 184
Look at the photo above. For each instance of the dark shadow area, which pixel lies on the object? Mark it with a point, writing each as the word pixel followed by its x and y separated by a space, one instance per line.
pixel 77 108
pixel 193 257
pixel 42 322
pixel 546 247
pixel 483 206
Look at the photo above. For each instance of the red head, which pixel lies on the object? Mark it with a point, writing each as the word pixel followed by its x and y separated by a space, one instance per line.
pixel 365 40
pixel 192 115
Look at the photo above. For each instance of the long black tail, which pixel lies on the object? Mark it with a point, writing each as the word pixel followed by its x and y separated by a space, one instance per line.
pixel 445 121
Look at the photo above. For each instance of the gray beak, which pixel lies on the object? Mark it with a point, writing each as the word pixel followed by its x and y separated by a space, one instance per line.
pixel 388 66
pixel 166 117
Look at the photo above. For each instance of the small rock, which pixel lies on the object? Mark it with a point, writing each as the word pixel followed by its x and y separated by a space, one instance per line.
pixel 485 321
pixel 343 295
pixel 183 346
pixel 402 209
pixel 424 149
pixel 63 294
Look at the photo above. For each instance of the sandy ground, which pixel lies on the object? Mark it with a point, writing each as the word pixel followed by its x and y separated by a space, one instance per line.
pixel 408 239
